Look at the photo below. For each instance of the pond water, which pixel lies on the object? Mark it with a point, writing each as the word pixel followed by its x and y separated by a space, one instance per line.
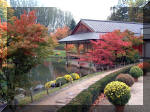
pixel 53 68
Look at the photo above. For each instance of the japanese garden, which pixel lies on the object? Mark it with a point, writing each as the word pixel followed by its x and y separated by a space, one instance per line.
pixel 49 62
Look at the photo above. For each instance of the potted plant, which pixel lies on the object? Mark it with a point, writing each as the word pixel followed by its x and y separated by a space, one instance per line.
pixel 136 72
pixel 118 93
pixel 126 78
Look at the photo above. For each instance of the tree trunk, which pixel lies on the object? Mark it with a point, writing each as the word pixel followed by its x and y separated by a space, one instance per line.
pixel 47 91
pixel 31 96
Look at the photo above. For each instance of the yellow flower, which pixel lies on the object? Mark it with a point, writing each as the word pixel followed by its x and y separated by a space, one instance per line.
pixel 68 78
pixel 48 84
pixel 115 90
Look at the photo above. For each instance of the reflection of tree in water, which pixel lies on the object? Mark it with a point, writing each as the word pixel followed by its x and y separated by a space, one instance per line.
pixel 49 70
pixel 41 73
pixel 52 69
pixel 59 66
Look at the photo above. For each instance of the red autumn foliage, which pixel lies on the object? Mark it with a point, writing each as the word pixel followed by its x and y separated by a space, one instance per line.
pixel 144 65
pixel 26 34
pixel 60 33
pixel 106 49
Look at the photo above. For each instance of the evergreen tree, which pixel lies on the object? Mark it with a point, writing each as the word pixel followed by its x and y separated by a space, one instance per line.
pixel 72 25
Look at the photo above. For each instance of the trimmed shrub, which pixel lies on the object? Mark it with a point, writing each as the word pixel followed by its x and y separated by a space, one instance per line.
pixel 136 72
pixel 81 104
pixel 68 78
pixel 60 80
pixel 75 76
pixel 126 78
pixel 50 84
pixel 118 93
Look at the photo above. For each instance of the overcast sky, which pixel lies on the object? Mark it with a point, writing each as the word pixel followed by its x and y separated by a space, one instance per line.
pixel 84 9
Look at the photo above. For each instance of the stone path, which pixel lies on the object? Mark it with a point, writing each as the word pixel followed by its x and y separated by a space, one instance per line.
pixel 65 96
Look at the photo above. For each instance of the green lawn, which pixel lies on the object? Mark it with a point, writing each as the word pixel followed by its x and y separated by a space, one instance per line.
pixel 59 53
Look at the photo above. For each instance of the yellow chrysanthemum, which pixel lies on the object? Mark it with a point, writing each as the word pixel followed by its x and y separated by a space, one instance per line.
pixel 68 78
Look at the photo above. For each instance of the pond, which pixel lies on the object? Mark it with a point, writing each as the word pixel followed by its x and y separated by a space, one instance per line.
pixel 49 70
pixel 53 68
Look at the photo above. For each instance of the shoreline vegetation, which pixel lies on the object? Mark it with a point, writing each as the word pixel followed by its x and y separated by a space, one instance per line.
pixel 37 97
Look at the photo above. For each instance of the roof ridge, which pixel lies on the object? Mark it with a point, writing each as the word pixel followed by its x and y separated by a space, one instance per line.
pixel 112 21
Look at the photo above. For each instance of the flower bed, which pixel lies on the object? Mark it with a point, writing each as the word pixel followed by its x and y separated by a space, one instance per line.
pixel 62 80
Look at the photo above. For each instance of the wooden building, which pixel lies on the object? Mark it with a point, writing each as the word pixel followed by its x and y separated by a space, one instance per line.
pixel 87 30
pixel 146 46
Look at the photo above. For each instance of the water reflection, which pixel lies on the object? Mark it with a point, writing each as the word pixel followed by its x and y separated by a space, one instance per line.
pixel 53 68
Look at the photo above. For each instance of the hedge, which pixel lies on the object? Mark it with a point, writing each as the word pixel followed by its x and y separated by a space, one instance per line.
pixel 83 101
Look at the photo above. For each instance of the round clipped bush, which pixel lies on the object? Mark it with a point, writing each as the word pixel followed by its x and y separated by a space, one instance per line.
pixel 50 84
pixel 75 76
pixel 118 93
pixel 136 72
pixel 68 78
pixel 126 78
pixel 60 81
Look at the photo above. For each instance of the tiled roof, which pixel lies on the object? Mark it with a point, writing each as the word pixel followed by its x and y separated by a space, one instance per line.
pixel 83 36
pixel 102 27
pixel 109 26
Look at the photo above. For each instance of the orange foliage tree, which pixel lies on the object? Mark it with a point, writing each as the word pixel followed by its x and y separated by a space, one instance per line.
pixel 23 44
pixel 60 33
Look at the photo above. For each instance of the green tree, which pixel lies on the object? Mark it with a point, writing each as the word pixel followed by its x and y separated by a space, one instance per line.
pixel 131 10
pixel 72 24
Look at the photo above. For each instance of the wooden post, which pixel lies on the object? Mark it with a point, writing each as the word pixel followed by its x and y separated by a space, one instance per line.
pixel 67 54
pixel 78 50
pixel 66 49
pixel 47 91
pixel 31 96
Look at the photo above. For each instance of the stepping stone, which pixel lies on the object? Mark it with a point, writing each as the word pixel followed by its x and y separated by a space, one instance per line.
pixel 70 93
pixel 61 101
pixel 81 88
pixel 70 97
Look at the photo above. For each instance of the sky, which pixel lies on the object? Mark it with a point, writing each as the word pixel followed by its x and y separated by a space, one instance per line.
pixel 83 9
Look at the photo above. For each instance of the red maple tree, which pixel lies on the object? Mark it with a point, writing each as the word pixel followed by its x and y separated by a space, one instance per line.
pixel 109 47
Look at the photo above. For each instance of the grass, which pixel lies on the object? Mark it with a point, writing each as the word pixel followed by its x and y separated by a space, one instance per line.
pixel 59 53
pixel 42 94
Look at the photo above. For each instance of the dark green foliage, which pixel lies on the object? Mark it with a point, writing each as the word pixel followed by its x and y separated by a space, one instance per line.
pixel 60 47
pixel 72 24
pixel 83 101
pixel 60 80
pixel 126 79
pixel 136 72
